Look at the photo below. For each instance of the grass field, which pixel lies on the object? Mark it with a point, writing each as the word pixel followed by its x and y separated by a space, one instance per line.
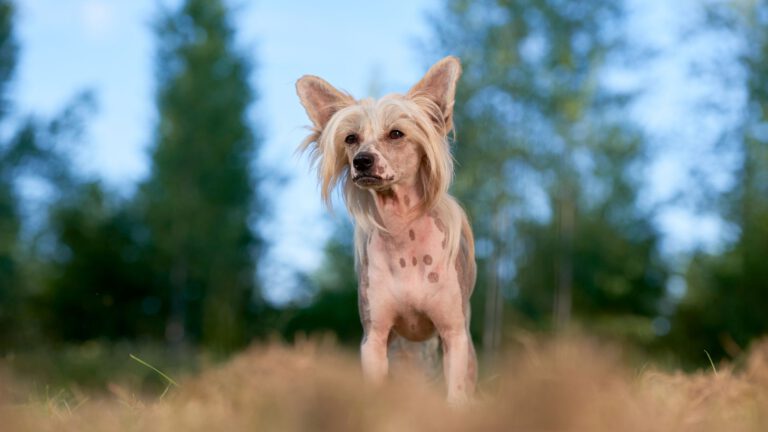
pixel 564 385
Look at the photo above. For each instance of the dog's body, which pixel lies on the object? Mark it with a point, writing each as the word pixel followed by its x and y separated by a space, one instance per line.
pixel 414 246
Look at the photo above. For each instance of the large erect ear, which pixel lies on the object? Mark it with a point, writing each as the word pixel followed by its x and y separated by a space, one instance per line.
pixel 439 86
pixel 320 99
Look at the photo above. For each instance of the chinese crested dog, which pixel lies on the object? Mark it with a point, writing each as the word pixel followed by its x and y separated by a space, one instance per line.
pixel 413 244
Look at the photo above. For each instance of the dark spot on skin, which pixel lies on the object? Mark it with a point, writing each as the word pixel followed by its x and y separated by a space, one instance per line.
pixel 412 235
pixel 441 227
pixel 433 277
pixel 407 201
pixel 439 224
pixel 402 262
pixel 414 261
pixel 427 259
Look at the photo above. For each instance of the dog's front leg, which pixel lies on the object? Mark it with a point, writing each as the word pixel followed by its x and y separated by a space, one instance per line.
pixel 373 353
pixel 455 362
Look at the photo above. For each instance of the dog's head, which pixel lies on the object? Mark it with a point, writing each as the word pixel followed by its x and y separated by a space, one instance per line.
pixel 376 144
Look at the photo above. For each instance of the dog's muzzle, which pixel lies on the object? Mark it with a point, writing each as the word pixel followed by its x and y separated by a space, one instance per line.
pixel 363 164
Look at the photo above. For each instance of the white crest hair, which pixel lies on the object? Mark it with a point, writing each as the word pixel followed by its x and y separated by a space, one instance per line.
pixel 425 124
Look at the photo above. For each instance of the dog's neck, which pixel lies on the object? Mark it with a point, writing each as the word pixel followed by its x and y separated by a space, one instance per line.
pixel 398 206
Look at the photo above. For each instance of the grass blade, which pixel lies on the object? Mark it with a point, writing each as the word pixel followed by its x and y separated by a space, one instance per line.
pixel 167 378
pixel 711 363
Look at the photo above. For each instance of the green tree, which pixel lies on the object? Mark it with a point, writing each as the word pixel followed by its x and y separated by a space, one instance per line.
pixel 332 302
pixel 724 307
pixel 32 149
pixel 548 164
pixel 101 272
pixel 9 212
pixel 199 198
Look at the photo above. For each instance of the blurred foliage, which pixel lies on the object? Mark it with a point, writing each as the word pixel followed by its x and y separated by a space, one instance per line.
pixel 199 200
pixel 33 151
pixel 549 166
pixel 332 303
pixel 100 273
pixel 724 307
pixel 9 212
pixel 99 366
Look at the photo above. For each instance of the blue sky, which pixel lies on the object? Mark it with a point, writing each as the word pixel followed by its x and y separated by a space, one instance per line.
pixel 107 46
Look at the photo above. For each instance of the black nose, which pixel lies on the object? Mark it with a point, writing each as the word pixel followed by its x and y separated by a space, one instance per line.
pixel 363 161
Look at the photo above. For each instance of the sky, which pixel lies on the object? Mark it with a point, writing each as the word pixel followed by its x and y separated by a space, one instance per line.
pixel 107 47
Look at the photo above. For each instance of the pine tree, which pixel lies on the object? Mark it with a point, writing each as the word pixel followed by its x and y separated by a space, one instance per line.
pixel 199 198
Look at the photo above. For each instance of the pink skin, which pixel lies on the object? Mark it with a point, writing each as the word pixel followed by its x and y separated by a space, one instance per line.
pixel 400 297
pixel 407 284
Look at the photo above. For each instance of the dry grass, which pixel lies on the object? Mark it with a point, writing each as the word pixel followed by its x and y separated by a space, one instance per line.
pixel 567 385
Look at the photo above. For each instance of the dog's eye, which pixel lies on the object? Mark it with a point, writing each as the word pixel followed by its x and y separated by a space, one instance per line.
pixel 351 139
pixel 395 134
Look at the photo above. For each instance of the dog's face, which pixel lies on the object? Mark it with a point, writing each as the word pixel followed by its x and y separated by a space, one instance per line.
pixel 382 141
pixel 375 144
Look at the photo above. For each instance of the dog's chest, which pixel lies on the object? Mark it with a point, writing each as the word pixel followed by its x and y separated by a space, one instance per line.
pixel 410 264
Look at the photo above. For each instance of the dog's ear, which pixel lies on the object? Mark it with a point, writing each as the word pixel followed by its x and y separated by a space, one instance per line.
pixel 320 99
pixel 439 86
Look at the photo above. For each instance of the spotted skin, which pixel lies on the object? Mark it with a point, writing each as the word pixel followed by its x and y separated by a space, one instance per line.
pixel 440 225
pixel 439 288
pixel 401 197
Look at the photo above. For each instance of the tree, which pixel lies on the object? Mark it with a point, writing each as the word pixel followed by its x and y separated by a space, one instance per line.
pixel 331 305
pixel 34 149
pixel 548 164
pixel 724 306
pixel 199 199
pixel 9 213
pixel 101 272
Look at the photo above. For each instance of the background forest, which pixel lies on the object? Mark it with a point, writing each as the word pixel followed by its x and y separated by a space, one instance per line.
pixel 560 179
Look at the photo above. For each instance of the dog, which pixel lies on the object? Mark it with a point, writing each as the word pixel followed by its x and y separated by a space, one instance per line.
pixel 414 249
